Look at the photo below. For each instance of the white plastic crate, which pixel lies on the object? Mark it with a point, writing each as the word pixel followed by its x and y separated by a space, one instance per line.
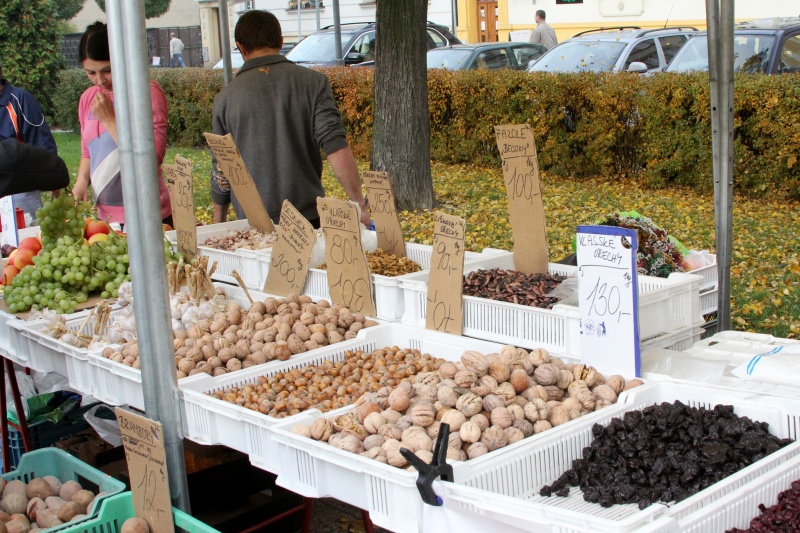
pixel 248 263
pixel 740 506
pixel 666 305
pixel 741 346
pixel 680 340
pixel 387 291
pixel 7 335
pixel 709 300
pixel 709 274
pixel 212 421
pixel 507 489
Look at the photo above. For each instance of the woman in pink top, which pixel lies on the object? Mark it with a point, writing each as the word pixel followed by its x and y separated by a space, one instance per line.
pixel 99 155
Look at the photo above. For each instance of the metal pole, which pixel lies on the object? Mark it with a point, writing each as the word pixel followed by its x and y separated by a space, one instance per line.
pixel 454 14
pixel 156 349
pixel 316 5
pixel 724 180
pixel 225 37
pixel 337 33
pixel 299 21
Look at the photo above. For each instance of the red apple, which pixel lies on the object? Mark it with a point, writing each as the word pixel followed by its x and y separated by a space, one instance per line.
pixel 93 227
pixel 23 258
pixel 9 271
pixel 31 243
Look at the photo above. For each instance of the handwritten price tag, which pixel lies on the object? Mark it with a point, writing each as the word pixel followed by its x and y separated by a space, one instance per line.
pixel 288 266
pixel 143 440
pixel 525 206
pixel 181 196
pixel 609 308
pixel 232 165
pixel 382 209
pixel 9 221
pixel 349 280
pixel 443 310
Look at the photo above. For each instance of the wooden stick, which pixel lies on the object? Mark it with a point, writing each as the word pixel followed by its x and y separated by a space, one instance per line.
pixel 86 321
pixel 244 287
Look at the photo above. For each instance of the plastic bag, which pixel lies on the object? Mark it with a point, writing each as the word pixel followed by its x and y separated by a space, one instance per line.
pixel 779 369
pixel 369 241
pixel 52 406
pixel 107 429
pixel 50 382
pixel 680 365
pixel 27 389
pixel 566 292
pixel 697 259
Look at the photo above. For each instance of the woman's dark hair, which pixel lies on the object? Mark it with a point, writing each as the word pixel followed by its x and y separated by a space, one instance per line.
pixel 258 29
pixel 94 43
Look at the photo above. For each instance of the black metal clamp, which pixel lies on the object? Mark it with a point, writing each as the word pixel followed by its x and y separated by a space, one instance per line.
pixel 428 473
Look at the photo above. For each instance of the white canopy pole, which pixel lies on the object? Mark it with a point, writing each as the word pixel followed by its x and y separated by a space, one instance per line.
pixel 225 38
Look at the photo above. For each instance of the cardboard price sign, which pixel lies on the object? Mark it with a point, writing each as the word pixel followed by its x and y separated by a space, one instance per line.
pixel 382 208
pixel 444 309
pixel 608 299
pixel 288 267
pixel 181 197
pixel 143 440
pixel 231 163
pixel 8 219
pixel 525 205
pixel 349 280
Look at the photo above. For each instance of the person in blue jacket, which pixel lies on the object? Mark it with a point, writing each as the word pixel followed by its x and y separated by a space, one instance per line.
pixel 21 118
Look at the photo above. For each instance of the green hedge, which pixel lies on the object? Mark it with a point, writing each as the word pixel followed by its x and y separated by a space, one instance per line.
pixel 586 125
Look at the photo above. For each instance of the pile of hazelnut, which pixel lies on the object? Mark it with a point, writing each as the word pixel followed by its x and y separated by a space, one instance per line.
pixel 489 401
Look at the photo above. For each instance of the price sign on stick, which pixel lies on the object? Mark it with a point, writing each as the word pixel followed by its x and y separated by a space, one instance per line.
pixel 609 299
pixel 232 165
pixel 349 280
pixel 288 266
pixel 9 221
pixel 181 197
pixel 443 310
pixel 525 206
pixel 382 208
pixel 143 440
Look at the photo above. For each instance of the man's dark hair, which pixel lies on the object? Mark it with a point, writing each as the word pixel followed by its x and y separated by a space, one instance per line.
pixel 541 14
pixel 94 43
pixel 258 29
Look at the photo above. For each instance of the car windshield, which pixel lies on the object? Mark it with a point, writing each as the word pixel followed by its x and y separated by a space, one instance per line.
pixel 580 56
pixel 453 59
pixel 750 54
pixel 317 47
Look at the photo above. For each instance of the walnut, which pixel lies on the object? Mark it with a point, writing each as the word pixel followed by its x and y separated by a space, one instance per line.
pixel 482 420
pixel 564 379
pixel 335 337
pixel 433 430
pixel 477 449
pixel 425 393
pixel 499 370
pixel 399 399
pixel 456 455
pixel 470 431
pixel 517 412
pixel 366 409
pixel 475 361
pixel 282 350
pixel 321 429
pixel 390 415
pixel 418 441
pixel 518 380
pixel 469 404
pixel 447 396
pixel 573 407
pixel 233 365
pixel 558 363
pixel 394 457
pixel 234 313
pixel 403 423
pixel 524 426
pixel 465 378
pixel 501 417
pixel 422 414
pixel 576 386
pixel 427 378
pixel 536 410
pixel 604 392
pixel 448 370
pixel 492 401
pixel 632 383
pixel 494 438
pixel 601 403
pixel 616 382
pixel 558 415
pixel 539 356
pixel 377 454
pixel 390 431
pixel 185 365
pixel 541 425
pixel 454 418
pixel 514 435
pixel 373 421
pixel 506 392
pixel 349 443
pixel 546 374
pixel 585 397
pixel 554 393
pixel 454 440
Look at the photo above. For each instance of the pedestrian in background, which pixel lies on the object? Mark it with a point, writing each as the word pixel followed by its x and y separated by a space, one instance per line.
pixel 543 33
pixel 175 52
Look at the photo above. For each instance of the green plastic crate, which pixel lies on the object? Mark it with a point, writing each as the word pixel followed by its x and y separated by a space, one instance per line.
pixel 58 463
pixel 116 509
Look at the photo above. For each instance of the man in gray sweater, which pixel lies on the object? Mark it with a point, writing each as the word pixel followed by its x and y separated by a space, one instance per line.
pixel 280 115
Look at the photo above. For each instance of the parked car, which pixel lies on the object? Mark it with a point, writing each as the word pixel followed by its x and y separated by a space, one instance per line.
pixel 768 46
pixel 237 60
pixel 358 45
pixel 491 56
pixel 625 48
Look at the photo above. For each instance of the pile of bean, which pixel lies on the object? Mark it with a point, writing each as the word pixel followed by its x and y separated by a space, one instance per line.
pixel 386 264
pixel 783 517
pixel 330 385
pixel 666 453
pixel 513 287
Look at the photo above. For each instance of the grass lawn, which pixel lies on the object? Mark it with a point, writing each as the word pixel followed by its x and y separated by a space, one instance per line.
pixel 765 274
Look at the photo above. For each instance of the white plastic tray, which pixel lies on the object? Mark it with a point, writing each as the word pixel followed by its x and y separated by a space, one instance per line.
pixel 250 264
pixel 212 421
pixel 666 305
pixel 388 293
pixel 709 300
pixel 507 490
pixel 680 340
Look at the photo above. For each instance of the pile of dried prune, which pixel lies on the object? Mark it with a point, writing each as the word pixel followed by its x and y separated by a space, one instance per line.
pixel 665 452
pixel 783 517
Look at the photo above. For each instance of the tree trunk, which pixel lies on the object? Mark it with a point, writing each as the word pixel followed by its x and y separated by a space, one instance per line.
pixel 401 129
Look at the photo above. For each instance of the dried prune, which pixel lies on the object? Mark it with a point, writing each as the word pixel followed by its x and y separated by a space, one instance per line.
pixel 665 452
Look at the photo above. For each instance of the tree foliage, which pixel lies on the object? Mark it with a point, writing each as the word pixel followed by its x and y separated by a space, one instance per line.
pixel 67 9
pixel 152 8
pixel 29 48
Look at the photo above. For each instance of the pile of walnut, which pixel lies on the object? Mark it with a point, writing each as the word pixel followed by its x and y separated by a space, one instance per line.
pixel 386 264
pixel 489 401
pixel 276 328
pixel 42 503
pixel 247 239
pixel 331 385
